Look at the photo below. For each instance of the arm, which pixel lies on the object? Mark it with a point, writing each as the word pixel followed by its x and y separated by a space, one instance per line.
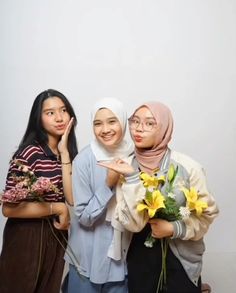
pixel 66 178
pixel 90 191
pixel 38 210
pixel 66 164
pixel 196 227
pixel 193 227
pixel 128 194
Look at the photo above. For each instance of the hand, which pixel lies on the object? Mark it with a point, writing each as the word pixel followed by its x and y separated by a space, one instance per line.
pixel 61 210
pixel 161 228
pixel 62 145
pixel 117 165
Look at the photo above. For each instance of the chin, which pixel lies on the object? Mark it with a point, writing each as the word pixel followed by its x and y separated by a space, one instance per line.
pixel 139 144
pixel 110 144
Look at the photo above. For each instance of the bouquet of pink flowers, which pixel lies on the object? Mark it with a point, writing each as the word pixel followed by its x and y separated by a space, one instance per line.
pixel 28 187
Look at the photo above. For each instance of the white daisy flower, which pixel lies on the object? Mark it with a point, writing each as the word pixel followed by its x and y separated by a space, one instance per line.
pixel 149 243
pixel 184 212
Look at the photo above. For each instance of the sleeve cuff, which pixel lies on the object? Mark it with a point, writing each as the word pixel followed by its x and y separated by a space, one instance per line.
pixel 179 229
pixel 132 178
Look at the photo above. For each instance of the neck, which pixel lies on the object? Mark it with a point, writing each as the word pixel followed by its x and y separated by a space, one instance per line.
pixel 150 171
pixel 53 145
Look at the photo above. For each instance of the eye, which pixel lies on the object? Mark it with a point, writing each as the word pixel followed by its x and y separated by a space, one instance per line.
pixel 113 121
pixel 135 121
pixel 150 123
pixel 49 113
pixel 97 124
pixel 64 110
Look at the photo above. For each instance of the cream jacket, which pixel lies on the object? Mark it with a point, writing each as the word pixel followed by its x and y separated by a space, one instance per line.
pixel 187 242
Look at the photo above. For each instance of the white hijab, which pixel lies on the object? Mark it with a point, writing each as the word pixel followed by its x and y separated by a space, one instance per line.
pixel 124 149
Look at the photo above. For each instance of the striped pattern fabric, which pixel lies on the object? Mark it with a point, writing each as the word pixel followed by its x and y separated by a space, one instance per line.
pixel 43 163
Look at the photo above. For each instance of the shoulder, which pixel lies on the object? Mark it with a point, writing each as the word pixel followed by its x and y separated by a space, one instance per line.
pixel 194 169
pixel 186 161
pixel 29 152
pixel 84 155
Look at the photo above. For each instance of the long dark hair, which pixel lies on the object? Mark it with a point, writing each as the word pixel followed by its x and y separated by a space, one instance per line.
pixel 36 134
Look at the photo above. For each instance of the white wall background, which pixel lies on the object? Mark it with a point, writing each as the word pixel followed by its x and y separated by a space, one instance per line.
pixel 181 52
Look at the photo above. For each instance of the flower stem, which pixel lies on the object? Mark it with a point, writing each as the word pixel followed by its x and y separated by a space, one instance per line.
pixel 163 274
pixel 40 252
pixel 69 250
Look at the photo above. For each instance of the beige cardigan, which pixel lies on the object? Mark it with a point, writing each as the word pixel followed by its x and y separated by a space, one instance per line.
pixel 187 242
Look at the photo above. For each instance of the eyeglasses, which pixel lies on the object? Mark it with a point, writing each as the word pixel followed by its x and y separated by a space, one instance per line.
pixel 147 125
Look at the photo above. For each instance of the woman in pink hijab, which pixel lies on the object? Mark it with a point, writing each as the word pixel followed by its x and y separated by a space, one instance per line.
pixel 151 127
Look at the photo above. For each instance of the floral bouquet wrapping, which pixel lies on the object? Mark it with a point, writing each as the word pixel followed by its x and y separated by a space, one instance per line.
pixel 160 202
pixel 28 187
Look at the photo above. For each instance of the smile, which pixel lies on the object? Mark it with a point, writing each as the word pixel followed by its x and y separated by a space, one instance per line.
pixel 107 137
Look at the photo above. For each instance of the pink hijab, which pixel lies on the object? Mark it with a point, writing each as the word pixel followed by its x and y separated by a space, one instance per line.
pixel 150 159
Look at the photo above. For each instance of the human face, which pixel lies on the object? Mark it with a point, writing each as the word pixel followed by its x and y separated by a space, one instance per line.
pixel 107 128
pixel 54 117
pixel 143 138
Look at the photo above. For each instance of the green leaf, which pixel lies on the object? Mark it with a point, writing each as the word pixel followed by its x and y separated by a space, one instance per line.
pixel 171 173
pixel 171 211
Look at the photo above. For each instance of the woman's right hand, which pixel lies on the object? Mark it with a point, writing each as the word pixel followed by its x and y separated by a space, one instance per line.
pixel 60 209
pixel 117 165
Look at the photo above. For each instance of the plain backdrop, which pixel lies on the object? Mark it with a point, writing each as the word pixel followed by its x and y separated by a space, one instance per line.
pixel 180 52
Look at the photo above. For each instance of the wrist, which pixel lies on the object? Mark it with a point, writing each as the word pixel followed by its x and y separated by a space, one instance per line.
pixel 51 208
pixel 58 208
pixel 66 163
pixel 65 154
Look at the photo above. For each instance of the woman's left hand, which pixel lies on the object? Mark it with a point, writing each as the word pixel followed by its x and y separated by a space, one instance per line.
pixel 161 228
pixel 112 178
pixel 61 210
pixel 62 145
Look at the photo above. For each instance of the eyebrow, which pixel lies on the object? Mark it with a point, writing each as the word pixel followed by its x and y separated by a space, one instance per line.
pixel 51 109
pixel 109 118
pixel 146 118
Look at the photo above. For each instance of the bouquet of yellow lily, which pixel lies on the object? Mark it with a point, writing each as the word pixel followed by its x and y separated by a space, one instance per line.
pixel 160 202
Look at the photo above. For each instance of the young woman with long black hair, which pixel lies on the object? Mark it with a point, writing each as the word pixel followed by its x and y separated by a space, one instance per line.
pixel 35 233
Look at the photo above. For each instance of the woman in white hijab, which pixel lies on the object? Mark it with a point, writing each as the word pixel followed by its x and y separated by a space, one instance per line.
pixel 98 244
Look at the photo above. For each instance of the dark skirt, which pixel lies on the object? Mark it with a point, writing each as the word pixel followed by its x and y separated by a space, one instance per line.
pixel 31 260
pixel 144 267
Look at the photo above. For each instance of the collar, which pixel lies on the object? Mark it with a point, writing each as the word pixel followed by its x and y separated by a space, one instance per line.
pixel 48 152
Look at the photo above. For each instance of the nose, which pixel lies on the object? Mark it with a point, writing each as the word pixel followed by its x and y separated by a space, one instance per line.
pixel 105 128
pixel 59 116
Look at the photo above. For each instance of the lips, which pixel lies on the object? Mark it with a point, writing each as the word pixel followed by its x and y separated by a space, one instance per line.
pixel 138 138
pixel 108 137
pixel 60 127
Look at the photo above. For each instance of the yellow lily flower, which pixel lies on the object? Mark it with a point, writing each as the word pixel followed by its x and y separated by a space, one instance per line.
pixel 151 181
pixel 200 206
pixel 152 203
pixel 192 200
